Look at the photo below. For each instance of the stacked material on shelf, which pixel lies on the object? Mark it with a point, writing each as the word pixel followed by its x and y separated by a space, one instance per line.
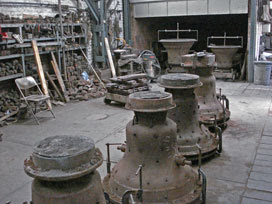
pixel 10 68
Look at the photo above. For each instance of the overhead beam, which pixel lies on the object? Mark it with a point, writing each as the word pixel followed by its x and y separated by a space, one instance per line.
pixel 94 11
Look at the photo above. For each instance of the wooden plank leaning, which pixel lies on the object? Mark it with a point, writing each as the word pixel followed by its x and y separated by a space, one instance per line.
pixel 40 72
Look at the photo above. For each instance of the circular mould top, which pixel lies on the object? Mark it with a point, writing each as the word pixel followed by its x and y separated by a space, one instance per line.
pixel 150 101
pixel 35 171
pixel 150 95
pixel 178 40
pixel 63 146
pixel 179 81
pixel 63 157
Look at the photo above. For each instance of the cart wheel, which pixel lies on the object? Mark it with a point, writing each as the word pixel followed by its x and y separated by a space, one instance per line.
pixel 107 101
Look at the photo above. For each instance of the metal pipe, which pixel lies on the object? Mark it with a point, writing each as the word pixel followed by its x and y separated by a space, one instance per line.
pixel 218 132
pixel 127 21
pixel 108 156
pixel 252 41
pixel 204 185
pixel 62 38
pixel 199 159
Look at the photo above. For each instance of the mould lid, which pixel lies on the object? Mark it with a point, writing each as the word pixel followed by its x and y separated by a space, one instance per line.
pixel 150 101
pixel 63 146
pixel 179 81
pixel 183 40
pixel 63 157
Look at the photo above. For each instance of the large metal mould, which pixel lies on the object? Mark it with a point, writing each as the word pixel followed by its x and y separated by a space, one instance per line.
pixel 224 54
pixel 178 46
pixel 151 144
pixel 64 171
pixel 213 107
pixel 190 134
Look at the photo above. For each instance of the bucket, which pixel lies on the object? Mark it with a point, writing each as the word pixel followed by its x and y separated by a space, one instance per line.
pixel 262 72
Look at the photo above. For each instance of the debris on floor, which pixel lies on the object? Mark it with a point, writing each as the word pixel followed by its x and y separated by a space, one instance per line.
pixel 10 104
pixel 82 83
pixel 83 90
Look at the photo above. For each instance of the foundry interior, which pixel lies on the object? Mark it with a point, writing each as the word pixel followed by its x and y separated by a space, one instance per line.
pixel 135 101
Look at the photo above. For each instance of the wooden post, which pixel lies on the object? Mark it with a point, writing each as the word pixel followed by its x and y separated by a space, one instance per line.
pixel 110 57
pixel 55 86
pixel 58 74
pixel 40 72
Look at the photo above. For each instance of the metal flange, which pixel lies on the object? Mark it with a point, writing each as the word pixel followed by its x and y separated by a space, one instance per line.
pixel 61 158
pixel 150 101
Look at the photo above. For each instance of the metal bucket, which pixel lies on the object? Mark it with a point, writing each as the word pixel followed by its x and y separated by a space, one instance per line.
pixel 262 72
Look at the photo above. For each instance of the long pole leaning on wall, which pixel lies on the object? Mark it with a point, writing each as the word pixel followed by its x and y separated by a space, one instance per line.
pixel 252 42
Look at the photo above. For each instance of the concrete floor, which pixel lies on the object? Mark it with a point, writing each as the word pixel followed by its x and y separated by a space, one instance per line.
pixel 242 174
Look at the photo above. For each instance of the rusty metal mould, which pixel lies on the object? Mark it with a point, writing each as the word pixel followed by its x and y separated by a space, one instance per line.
pixel 189 133
pixel 151 170
pixel 64 171
pixel 213 107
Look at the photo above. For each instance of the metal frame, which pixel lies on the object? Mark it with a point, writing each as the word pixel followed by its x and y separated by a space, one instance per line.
pixel 34 84
pixel 225 37
pixel 59 41
pixel 99 30
pixel 178 31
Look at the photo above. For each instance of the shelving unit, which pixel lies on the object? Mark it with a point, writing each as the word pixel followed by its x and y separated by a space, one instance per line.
pixel 56 41
pixel 13 76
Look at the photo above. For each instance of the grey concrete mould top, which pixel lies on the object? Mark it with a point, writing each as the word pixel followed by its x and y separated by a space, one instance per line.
pixel 179 81
pixel 63 157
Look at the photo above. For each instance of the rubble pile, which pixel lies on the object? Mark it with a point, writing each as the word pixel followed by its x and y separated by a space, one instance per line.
pixel 9 103
pixel 81 89
pixel 84 90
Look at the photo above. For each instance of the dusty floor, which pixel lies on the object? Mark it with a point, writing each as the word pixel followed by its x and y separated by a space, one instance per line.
pixel 242 174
